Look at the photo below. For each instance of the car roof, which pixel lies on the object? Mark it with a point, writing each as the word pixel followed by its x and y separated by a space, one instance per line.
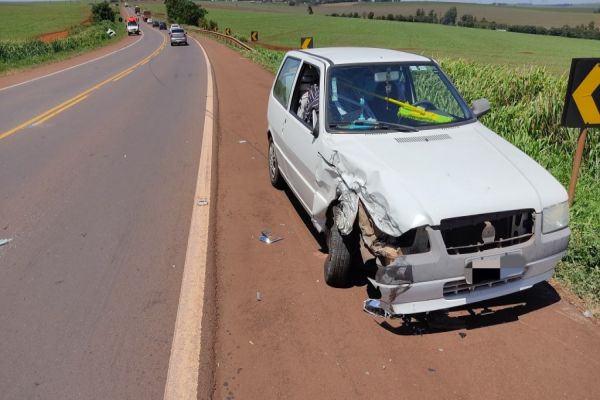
pixel 357 55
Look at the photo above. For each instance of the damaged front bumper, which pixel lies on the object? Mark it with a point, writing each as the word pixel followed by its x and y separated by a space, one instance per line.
pixel 436 280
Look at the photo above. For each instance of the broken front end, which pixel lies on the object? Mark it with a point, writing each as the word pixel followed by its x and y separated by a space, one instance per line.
pixel 461 261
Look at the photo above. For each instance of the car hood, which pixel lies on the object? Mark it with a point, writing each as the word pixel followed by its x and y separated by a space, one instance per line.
pixel 420 178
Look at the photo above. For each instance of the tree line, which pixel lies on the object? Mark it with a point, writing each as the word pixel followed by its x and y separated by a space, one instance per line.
pixel 450 17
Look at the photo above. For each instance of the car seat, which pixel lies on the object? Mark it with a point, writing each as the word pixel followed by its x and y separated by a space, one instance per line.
pixel 310 76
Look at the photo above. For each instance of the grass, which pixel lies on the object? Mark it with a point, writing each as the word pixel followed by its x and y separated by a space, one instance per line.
pixel 22 23
pixel 507 14
pixel 438 41
pixel 19 54
pixel 19 21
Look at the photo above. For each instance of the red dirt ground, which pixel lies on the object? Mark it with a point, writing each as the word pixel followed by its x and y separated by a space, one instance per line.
pixel 52 36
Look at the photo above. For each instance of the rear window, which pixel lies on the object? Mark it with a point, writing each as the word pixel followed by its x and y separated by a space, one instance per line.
pixel 132 23
pixel 176 30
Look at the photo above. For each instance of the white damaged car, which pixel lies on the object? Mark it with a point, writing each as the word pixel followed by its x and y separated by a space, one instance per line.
pixel 378 146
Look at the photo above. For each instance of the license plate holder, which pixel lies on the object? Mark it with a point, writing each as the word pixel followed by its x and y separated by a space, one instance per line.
pixel 494 268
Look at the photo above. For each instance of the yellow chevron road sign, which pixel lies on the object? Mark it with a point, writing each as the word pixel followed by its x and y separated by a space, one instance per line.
pixel 254 36
pixel 306 42
pixel 582 102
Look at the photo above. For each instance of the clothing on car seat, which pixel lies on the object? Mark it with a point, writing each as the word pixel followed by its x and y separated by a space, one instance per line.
pixel 309 102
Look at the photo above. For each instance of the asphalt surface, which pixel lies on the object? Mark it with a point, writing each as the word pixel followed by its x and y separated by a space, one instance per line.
pixel 281 333
pixel 97 200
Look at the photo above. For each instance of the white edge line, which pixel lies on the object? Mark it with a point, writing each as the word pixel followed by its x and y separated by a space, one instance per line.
pixel 71 67
pixel 184 361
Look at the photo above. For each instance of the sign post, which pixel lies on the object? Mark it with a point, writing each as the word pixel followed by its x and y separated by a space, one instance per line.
pixel 582 108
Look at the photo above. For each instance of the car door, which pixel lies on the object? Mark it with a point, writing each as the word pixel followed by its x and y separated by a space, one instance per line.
pixel 301 145
pixel 278 114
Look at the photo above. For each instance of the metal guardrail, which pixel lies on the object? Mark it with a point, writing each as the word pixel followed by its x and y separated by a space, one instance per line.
pixel 228 38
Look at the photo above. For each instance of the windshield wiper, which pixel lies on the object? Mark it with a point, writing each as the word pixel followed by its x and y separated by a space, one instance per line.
pixel 386 125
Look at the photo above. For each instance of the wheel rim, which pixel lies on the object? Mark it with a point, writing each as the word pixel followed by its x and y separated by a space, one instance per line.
pixel 272 161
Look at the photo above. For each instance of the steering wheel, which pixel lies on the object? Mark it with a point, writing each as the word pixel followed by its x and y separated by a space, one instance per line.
pixel 427 105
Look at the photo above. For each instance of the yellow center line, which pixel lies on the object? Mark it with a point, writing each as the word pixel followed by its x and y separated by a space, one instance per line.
pixel 123 75
pixel 71 104
pixel 34 119
pixel 54 111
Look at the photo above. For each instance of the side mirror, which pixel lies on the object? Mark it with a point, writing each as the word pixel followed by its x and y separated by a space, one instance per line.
pixel 315 123
pixel 480 107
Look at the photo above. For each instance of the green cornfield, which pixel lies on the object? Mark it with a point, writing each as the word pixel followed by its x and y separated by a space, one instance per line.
pixel 526 110
pixel 16 53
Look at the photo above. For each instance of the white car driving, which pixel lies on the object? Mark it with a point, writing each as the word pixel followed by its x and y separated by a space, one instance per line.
pixel 378 146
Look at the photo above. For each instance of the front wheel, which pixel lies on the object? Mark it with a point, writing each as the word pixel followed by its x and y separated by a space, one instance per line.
pixel 342 250
pixel 274 173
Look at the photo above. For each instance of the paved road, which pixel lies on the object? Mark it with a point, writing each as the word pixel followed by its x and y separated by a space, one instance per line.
pixel 98 200
pixel 304 340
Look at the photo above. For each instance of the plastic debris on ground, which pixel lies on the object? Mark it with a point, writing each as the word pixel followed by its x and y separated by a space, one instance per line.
pixel 268 238
pixel 242 141
pixel 5 241
pixel 202 202
pixel 258 297
pixel 586 313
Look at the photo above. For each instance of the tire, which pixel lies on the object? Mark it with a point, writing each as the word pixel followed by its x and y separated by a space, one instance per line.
pixel 274 173
pixel 342 250
pixel 171 44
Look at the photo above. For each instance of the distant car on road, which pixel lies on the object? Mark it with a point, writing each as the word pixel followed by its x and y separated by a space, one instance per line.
pixel 162 26
pixel 174 26
pixel 178 36
pixel 132 28
pixel 149 20
pixel 155 24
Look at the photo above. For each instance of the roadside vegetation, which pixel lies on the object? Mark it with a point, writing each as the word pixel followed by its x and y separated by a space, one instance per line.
pixel 450 17
pixel 18 53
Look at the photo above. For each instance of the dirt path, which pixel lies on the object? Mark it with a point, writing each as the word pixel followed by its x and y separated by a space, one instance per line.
pixel 52 36
pixel 304 340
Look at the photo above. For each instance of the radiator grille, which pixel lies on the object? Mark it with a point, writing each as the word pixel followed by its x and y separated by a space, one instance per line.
pixel 475 233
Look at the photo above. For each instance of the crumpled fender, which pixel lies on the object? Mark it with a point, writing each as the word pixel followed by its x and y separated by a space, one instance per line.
pixel 351 185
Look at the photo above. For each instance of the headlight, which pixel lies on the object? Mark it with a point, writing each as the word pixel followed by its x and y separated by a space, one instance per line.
pixel 555 217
